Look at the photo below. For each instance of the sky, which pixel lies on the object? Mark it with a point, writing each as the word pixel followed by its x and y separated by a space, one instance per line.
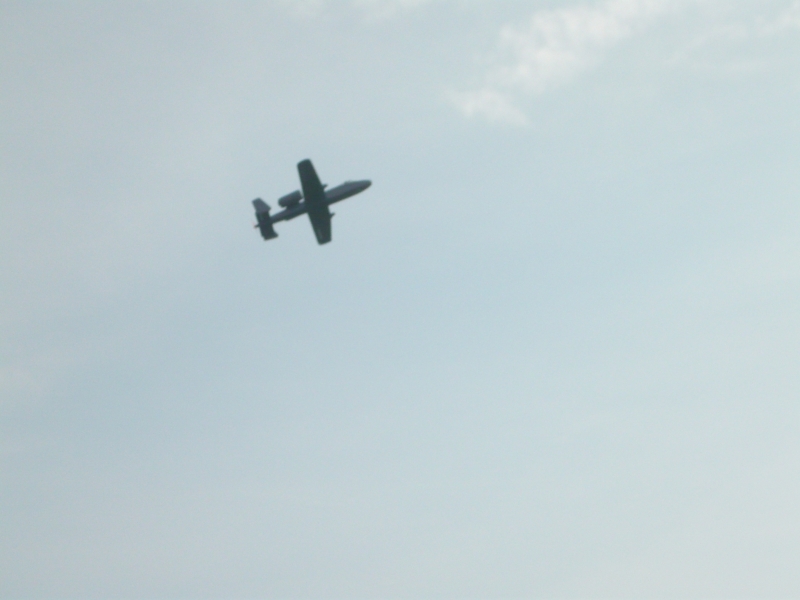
pixel 552 352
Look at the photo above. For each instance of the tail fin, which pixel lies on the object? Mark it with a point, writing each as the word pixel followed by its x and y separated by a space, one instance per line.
pixel 264 222
pixel 261 206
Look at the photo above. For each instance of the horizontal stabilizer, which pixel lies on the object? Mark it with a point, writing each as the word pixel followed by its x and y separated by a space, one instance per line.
pixel 264 221
pixel 267 230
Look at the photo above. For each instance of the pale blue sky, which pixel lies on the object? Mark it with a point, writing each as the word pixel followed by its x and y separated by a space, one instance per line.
pixel 552 352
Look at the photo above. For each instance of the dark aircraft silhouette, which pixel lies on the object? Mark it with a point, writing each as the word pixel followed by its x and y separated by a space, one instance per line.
pixel 314 200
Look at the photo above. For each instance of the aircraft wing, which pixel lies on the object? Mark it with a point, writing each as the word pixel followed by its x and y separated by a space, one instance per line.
pixel 316 201
pixel 322 226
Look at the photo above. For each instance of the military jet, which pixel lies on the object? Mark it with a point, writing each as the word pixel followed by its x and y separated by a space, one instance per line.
pixel 314 200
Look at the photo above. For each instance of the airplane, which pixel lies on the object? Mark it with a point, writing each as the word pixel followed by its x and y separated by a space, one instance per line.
pixel 313 200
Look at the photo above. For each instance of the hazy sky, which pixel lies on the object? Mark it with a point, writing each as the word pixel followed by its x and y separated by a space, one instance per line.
pixel 552 352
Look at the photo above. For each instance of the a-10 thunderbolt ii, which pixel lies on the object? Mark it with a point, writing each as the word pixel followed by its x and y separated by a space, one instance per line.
pixel 314 200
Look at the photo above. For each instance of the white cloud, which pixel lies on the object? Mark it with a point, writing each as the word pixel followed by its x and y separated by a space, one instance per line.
pixel 695 52
pixel 490 104
pixel 551 49
pixel 786 21
pixel 728 45
pixel 556 45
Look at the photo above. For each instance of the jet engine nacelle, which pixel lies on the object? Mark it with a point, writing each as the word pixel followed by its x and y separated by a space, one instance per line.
pixel 290 199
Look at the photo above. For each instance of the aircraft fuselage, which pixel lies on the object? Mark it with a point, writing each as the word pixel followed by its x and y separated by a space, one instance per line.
pixel 336 194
